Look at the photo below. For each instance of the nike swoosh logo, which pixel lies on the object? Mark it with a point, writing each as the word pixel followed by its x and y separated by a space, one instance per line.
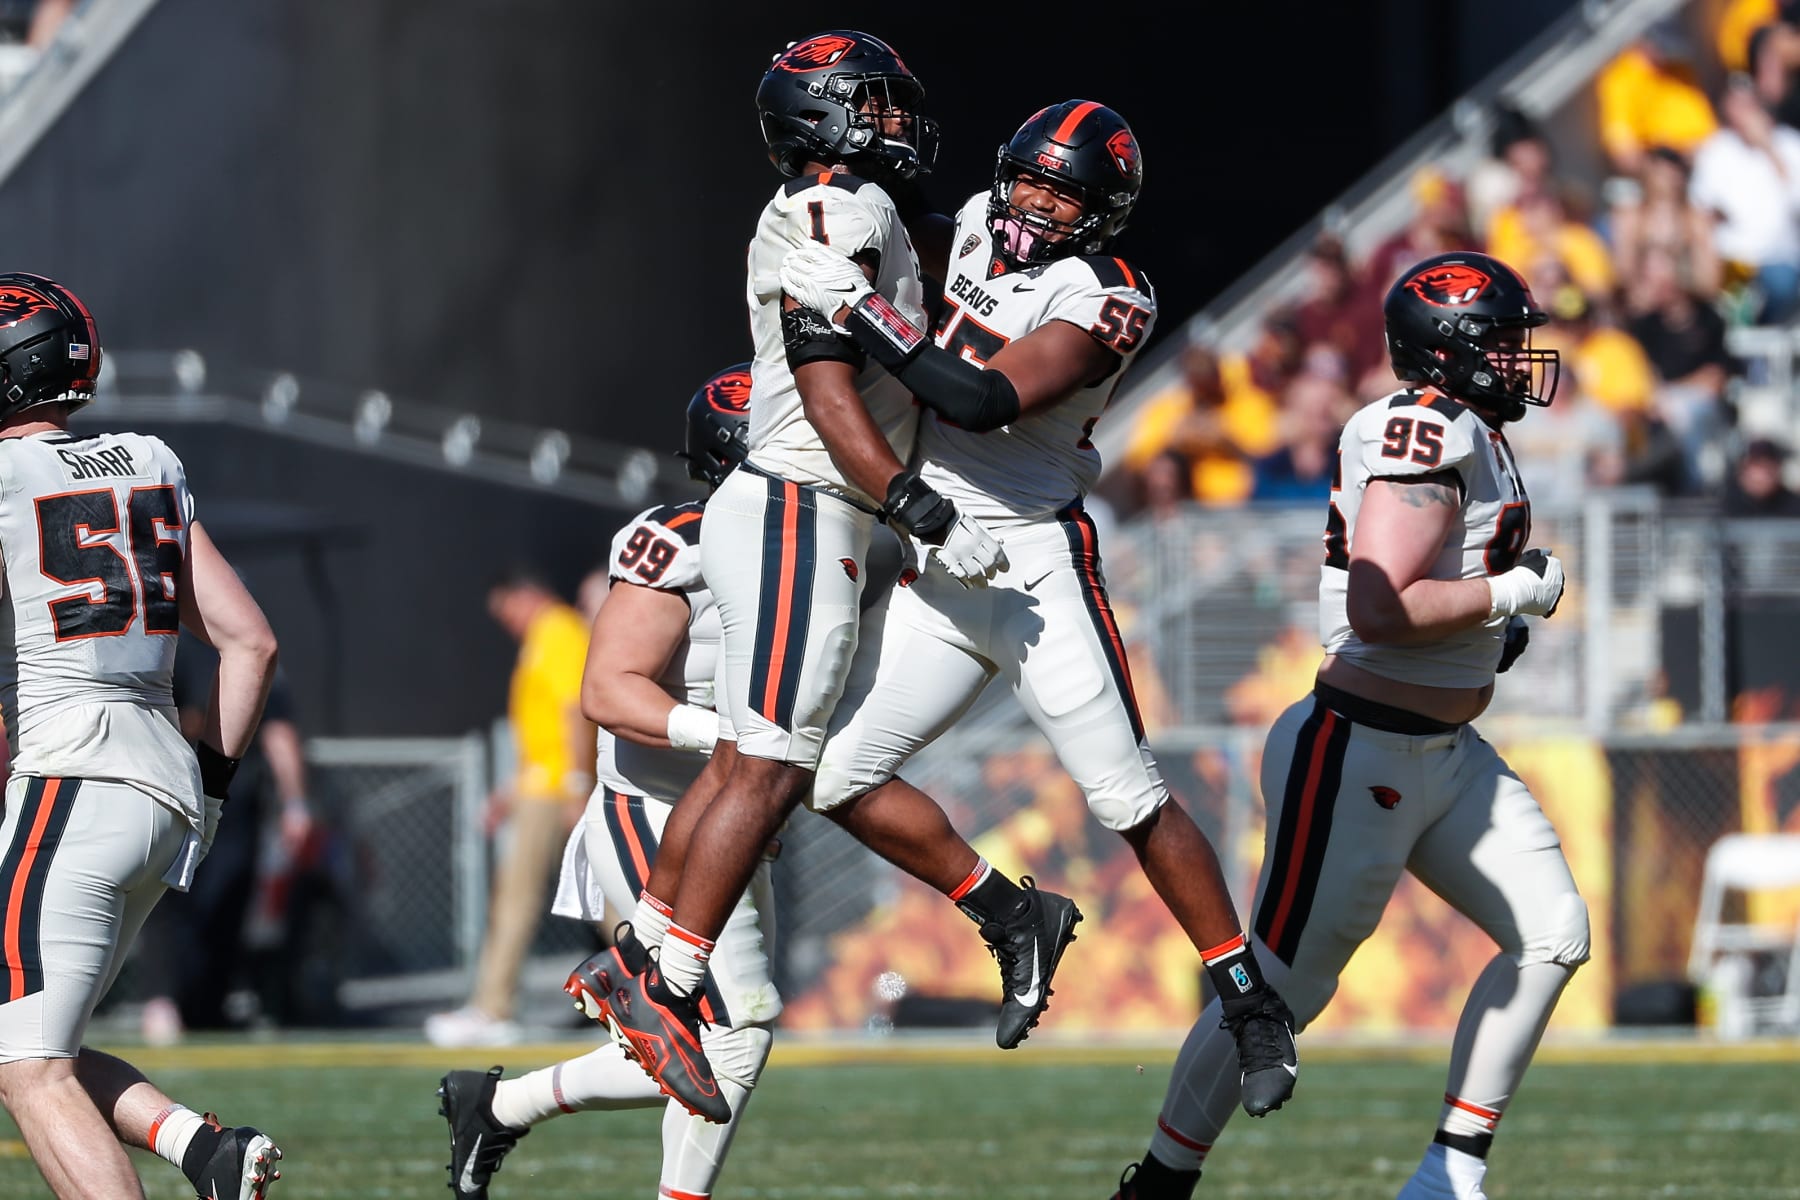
pixel 467 1183
pixel 1033 584
pixel 1029 997
pixel 1021 287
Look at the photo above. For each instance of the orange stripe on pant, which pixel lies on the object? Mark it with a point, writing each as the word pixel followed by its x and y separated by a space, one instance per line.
pixel 784 602
pixel 1309 796
pixel 15 900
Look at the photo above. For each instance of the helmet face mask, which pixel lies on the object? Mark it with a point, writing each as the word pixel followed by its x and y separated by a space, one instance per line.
pixel 49 345
pixel 718 426
pixel 844 96
pixel 1462 323
pixel 1080 150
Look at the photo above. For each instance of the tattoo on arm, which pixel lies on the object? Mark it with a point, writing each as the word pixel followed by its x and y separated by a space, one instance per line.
pixel 1425 494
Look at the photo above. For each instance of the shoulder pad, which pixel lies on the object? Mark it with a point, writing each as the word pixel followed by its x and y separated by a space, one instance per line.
pixel 680 519
pixel 1113 272
pixel 837 179
pixel 1443 406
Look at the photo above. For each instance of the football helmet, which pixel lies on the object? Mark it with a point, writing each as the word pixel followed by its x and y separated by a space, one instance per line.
pixel 1462 322
pixel 844 96
pixel 1082 147
pixel 49 347
pixel 718 426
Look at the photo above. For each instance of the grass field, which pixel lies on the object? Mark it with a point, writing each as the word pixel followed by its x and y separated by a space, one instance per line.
pixel 1047 1121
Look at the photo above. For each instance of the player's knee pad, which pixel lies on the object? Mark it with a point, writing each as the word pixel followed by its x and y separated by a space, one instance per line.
pixel 843 777
pixel 738 1054
pixel 1124 809
pixel 1563 936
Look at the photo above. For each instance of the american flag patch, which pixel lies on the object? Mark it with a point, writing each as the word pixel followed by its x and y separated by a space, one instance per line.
pixel 78 350
pixel 891 323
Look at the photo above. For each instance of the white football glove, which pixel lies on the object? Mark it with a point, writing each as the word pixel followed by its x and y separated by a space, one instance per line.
pixel 823 280
pixel 1533 588
pixel 970 553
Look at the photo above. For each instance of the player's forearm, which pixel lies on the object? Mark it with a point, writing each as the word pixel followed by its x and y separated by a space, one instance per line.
pixel 630 706
pixel 852 438
pixel 1422 611
pixel 246 672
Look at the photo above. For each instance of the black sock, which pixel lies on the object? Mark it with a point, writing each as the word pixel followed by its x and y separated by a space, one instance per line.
pixel 1477 1144
pixel 200 1150
pixel 1235 975
pixel 1155 1180
pixel 993 899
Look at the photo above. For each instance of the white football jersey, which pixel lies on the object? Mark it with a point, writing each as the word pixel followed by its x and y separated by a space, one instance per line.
pixel 660 549
pixel 93 530
pixel 1411 434
pixel 851 215
pixel 1042 462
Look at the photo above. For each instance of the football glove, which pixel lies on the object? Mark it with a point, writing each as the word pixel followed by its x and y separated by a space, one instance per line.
pixel 822 279
pixel 967 551
pixel 1518 636
pixel 970 553
pixel 1533 588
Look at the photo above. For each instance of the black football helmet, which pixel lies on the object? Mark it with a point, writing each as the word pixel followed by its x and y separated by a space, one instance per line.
pixel 49 347
pixel 718 426
pixel 1448 324
pixel 1083 147
pixel 825 99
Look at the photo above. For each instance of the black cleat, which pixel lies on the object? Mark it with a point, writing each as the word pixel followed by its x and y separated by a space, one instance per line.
pixel 660 1029
pixel 1028 946
pixel 241 1167
pixel 1126 1190
pixel 598 975
pixel 1267 1055
pixel 1151 1180
pixel 478 1143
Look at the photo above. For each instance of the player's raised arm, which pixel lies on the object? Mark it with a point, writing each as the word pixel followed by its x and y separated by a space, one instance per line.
pixel 218 609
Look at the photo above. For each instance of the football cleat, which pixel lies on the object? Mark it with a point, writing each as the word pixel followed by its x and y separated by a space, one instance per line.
pixel 478 1143
pixel 660 1030
pixel 596 976
pixel 241 1167
pixel 1263 1027
pixel 1028 946
pixel 1126 1191
pixel 1150 1180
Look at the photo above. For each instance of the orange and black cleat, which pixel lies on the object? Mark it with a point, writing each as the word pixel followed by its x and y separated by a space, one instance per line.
pixel 660 1028
pixel 596 976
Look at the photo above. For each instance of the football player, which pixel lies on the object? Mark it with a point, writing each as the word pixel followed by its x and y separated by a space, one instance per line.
pixel 648 684
pixel 1422 599
pixel 108 805
pixel 786 544
pixel 1039 324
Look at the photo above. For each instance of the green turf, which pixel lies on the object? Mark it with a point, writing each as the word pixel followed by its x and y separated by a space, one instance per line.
pixel 1019 1129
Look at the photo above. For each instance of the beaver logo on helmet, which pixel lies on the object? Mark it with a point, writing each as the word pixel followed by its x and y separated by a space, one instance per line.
pixel 1124 149
pixel 17 303
pixel 729 391
pixel 1450 285
pixel 815 53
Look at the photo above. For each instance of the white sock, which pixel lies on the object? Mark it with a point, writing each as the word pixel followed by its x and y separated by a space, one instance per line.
pixel 602 1079
pixel 683 959
pixel 173 1130
pixel 650 920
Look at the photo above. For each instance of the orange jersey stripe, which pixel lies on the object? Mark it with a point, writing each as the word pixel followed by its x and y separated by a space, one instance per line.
pixel 640 860
pixel 1073 120
pixel 684 519
pixel 1130 278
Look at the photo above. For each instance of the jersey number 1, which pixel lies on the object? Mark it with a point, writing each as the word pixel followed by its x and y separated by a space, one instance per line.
pixel 72 550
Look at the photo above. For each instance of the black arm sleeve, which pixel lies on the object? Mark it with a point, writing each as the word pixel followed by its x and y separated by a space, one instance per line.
pixel 808 337
pixel 957 390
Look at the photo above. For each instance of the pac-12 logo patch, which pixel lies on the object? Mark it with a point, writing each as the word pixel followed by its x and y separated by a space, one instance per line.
pixel 968 246
pixel 1451 285
pixel 1387 797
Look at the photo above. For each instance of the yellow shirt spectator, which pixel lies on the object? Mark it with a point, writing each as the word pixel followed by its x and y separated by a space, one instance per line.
pixel 1643 105
pixel 1521 235
pixel 544 705
pixel 1238 421
pixel 1613 370
pixel 1740 19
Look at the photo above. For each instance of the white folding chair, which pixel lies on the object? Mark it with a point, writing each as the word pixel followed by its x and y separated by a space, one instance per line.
pixel 1748 862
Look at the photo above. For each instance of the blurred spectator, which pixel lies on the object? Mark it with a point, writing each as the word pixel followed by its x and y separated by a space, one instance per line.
pixel 1313 412
pixel 1165 484
pixel 1576 443
pixel 1774 61
pixel 1439 224
pixel 1757 488
pixel 1654 211
pixel 1683 336
pixel 1538 229
pixel 1648 97
pixel 1214 426
pixel 1335 313
pixel 1747 176
pixel 551 781
pixel 590 593
pixel 26 27
pixel 1740 20
pixel 1518 164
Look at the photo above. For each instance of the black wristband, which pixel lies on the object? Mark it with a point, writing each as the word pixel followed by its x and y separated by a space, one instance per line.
pixel 884 333
pixel 915 508
pixel 808 337
pixel 216 771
